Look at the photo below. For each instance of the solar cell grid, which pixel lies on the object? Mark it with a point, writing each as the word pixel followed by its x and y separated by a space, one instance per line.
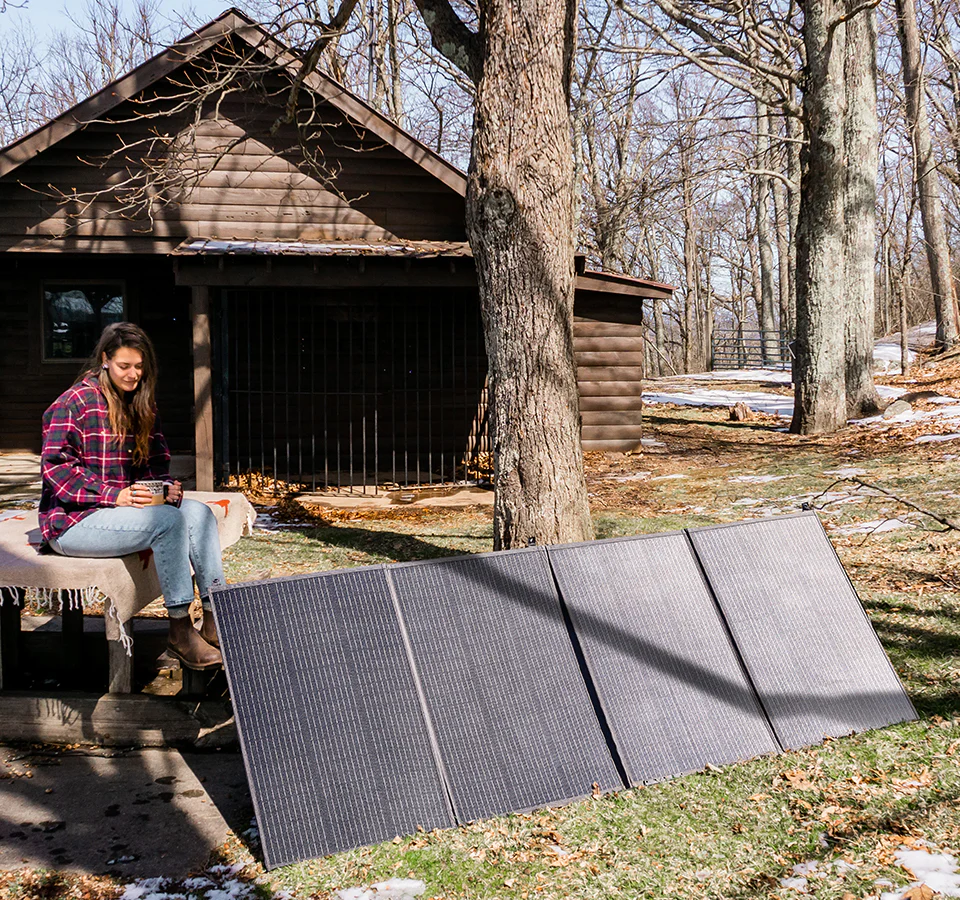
pixel 333 736
pixel 513 717
pixel 668 677
pixel 810 649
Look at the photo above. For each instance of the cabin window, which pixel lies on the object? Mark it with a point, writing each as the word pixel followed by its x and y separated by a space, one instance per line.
pixel 74 315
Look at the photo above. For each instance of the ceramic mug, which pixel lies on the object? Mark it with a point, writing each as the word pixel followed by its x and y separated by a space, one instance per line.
pixel 156 488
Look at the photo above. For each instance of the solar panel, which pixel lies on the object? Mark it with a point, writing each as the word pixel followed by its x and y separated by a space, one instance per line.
pixel 334 740
pixel 807 643
pixel 513 717
pixel 674 692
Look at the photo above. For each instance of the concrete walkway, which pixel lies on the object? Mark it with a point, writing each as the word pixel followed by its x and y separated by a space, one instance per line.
pixel 135 813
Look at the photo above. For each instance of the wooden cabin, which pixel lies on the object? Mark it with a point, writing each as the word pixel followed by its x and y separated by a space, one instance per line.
pixel 307 283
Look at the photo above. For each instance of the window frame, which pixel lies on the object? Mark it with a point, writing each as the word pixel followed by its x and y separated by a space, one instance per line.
pixel 47 284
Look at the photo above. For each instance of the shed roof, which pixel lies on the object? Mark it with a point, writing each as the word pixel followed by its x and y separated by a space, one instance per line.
pixel 397 248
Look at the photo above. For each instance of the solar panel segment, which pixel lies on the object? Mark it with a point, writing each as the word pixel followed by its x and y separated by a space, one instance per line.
pixel 807 643
pixel 673 689
pixel 513 717
pixel 333 735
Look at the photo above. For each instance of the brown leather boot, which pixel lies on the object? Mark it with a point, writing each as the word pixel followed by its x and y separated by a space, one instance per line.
pixel 208 629
pixel 186 644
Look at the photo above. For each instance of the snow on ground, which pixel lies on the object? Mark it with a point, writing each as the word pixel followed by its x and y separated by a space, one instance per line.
pixel 758 401
pixel 757 479
pixel 937 438
pixel 217 883
pixel 394 889
pixel 948 410
pixel 938 871
pixel 877 526
pixel 687 390
pixel 771 376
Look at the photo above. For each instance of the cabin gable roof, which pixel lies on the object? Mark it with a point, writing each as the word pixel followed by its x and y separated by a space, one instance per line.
pixel 357 176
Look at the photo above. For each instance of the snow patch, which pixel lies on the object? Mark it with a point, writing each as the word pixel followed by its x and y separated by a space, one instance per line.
pixel 776 376
pixel 394 889
pixel 877 526
pixel 757 479
pixel 758 401
pixel 938 871
pixel 937 438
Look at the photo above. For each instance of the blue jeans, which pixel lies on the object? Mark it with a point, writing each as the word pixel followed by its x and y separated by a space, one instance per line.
pixel 178 538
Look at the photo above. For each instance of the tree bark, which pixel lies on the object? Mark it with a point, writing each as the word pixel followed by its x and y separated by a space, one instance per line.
pixel 927 179
pixel 690 267
pixel 861 142
pixel 820 399
pixel 794 167
pixel 781 218
pixel 520 206
pixel 767 321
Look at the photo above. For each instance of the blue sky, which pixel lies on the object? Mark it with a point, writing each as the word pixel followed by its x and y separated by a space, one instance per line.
pixel 46 16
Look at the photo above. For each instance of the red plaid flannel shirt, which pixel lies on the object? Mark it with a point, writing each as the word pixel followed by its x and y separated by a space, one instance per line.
pixel 84 468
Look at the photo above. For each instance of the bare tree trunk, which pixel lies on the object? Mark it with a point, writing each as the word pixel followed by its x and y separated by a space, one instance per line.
pixel 708 313
pixel 820 400
pixel 794 173
pixel 395 95
pixel 904 340
pixel 659 330
pixel 690 270
pixel 520 204
pixel 927 179
pixel 781 217
pixel 860 220
pixel 766 318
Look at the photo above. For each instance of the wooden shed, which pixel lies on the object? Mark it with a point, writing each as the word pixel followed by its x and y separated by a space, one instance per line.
pixel 308 284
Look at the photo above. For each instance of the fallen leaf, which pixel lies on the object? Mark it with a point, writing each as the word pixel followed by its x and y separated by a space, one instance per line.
pixel 920 892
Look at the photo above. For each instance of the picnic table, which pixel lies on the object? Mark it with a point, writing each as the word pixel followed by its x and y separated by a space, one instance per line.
pixel 125 585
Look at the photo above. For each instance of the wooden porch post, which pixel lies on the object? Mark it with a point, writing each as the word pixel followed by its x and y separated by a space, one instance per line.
pixel 202 386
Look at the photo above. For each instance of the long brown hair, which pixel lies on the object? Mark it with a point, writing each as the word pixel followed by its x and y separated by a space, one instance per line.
pixel 137 414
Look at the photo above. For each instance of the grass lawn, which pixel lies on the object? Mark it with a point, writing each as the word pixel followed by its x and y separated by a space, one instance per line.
pixel 825 822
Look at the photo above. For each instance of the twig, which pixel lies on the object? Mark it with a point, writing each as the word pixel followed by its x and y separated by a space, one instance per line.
pixel 951 524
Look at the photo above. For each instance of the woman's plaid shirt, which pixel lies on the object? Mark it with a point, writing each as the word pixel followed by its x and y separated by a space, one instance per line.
pixel 84 467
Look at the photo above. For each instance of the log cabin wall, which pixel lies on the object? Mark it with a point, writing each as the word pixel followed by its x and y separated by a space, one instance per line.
pixel 608 347
pixel 29 384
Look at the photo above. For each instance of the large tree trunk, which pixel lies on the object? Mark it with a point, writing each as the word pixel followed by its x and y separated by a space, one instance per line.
pixel 520 203
pixel 820 400
pixel 860 219
pixel 927 178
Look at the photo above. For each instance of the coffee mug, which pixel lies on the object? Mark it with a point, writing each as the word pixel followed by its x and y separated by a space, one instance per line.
pixel 156 489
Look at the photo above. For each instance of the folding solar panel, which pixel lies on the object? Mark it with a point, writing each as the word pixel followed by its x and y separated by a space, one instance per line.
pixel 333 736
pixel 674 692
pixel 513 718
pixel 807 643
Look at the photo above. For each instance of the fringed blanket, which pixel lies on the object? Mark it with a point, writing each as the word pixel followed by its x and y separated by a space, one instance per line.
pixel 126 584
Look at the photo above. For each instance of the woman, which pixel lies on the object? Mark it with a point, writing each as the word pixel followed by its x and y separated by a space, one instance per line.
pixel 100 438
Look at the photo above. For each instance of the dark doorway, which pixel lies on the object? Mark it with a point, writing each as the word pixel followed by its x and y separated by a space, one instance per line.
pixel 357 389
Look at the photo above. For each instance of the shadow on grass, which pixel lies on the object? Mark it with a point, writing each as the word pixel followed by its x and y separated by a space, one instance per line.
pixel 391 544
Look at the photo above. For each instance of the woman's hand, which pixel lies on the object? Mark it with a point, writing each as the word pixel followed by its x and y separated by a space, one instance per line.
pixel 135 495
pixel 174 492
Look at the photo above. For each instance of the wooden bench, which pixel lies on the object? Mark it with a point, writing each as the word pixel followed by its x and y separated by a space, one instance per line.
pixel 125 584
